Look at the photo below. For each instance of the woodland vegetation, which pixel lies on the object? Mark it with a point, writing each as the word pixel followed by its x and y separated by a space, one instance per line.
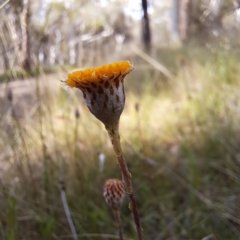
pixel 179 129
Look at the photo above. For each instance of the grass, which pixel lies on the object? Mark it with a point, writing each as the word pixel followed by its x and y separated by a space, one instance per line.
pixel 181 146
pixel 20 73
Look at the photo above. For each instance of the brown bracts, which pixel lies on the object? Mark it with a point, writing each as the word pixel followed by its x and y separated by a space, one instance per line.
pixel 103 89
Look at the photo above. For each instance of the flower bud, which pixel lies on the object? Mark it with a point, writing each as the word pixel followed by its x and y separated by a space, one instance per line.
pixel 113 193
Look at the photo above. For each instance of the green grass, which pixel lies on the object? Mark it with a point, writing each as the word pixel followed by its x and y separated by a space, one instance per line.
pixel 187 126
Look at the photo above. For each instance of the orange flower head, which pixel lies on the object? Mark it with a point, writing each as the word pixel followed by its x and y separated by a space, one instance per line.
pixel 113 192
pixel 103 89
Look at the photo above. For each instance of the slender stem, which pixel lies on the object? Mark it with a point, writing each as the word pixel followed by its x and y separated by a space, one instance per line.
pixel 67 212
pixel 118 222
pixel 64 201
pixel 126 175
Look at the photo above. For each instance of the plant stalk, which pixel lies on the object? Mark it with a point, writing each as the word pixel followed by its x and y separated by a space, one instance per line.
pixel 117 217
pixel 113 132
pixel 64 201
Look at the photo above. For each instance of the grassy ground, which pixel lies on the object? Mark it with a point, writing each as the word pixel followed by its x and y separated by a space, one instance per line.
pixel 180 137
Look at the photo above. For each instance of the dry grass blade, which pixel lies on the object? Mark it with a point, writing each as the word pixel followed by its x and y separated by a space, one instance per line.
pixel 208 237
pixel 96 235
pixel 3 4
pixel 67 212
pixel 64 201
pixel 152 61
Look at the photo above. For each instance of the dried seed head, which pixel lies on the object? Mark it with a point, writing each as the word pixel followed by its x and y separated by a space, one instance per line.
pixel 136 107
pixel 77 113
pixel 113 193
pixel 9 95
pixel 182 60
pixel 103 89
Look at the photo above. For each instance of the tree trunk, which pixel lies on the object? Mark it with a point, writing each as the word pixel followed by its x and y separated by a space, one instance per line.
pixel 146 33
pixel 25 21
pixel 180 20
pixel 3 41
pixel 184 10
pixel 11 29
pixel 175 18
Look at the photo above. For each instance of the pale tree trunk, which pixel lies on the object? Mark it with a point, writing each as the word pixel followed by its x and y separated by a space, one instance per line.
pixel 58 40
pixel 3 42
pixel 25 21
pixel 184 10
pixel 6 62
pixel 215 7
pixel 79 51
pixel 180 20
pixel 13 39
pixel 77 47
pixel 175 18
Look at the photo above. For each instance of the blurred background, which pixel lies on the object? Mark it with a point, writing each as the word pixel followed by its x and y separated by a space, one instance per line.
pixel 179 129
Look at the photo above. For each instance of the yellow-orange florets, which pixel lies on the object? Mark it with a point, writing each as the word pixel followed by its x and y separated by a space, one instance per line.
pixel 93 74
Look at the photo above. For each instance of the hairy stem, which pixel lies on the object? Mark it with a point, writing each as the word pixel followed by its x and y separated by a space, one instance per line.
pixel 126 175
